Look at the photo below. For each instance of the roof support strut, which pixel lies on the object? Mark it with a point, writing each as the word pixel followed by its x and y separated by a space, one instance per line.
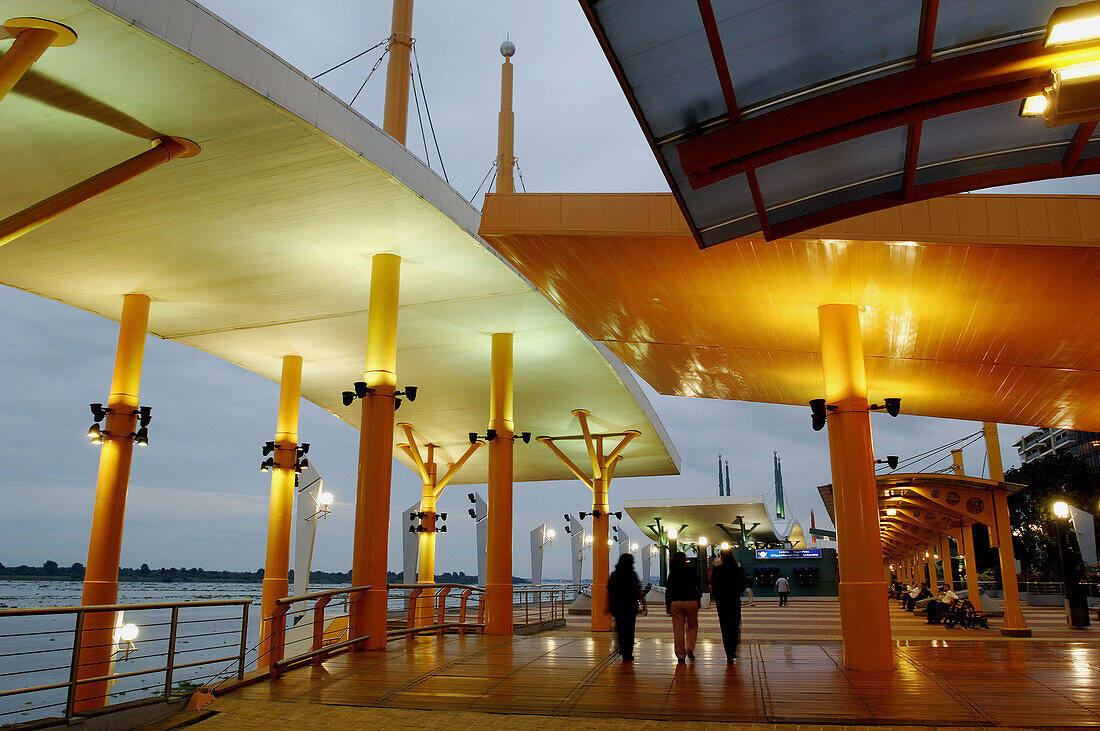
pixel 164 149
pixel 32 37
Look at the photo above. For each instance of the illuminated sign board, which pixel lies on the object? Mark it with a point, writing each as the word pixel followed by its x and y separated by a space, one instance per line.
pixel 773 553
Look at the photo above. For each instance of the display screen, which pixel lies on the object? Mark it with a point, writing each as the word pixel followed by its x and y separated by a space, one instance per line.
pixel 772 553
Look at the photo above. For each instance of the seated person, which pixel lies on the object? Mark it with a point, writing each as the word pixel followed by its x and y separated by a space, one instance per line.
pixel 909 598
pixel 939 606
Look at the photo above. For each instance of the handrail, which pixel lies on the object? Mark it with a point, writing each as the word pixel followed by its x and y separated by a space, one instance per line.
pixel 471 587
pixel 318 649
pixel 120 607
pixel 80 640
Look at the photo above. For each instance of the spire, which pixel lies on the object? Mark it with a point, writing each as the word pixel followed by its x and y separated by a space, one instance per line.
pixel 721 489
pixel 728 493
pixel 506 123
pixel 780 511
pixel 813 538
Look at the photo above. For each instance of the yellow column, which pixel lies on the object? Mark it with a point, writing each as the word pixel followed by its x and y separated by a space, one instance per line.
pixel 506 122
pixel 930 566
pixel 864 613
pixel 945 560
pixel 280 515
pixel 601 620
pixel 25 221
pixel 395 119
pixel 1014 624
pixel 993 450
pixel 105 542
pixel 425 570
pixel 498 584
pixel 970 562
pixel 372 490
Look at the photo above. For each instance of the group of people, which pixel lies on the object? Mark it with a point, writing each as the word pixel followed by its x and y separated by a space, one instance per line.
pixel 683 594
pixel 937 607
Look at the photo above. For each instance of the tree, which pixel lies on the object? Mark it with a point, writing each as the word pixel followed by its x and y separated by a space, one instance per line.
pixel 50 567
pixel 1059 476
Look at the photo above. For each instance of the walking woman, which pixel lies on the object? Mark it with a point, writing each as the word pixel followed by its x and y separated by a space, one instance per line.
pixel 624 591
pixel 682 595
pixel 727 581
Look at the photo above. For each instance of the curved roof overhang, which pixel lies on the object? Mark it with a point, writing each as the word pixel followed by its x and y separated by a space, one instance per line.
pixel 716 518
pixel 261 245
pixel 782 117
pixel 975 307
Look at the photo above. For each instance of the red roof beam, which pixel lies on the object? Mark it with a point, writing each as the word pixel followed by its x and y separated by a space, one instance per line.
pixel 943 87
pixel 718 55
pixel 926 42
pixel 925 191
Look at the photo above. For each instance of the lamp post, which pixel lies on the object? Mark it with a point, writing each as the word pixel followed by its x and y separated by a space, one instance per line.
pixel 1076 603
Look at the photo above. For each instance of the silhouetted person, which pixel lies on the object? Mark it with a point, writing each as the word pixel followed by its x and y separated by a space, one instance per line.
pixel 727 581
pixel 682 595
pixel 784 588
pixel 624 591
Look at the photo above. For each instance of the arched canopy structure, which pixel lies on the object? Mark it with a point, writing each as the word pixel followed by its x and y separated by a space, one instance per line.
pixel 784 116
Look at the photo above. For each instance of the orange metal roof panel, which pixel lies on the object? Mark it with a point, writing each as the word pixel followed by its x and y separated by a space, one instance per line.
pixel 964 315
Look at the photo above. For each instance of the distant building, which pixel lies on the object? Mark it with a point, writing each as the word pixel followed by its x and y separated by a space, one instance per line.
pixel 1042 442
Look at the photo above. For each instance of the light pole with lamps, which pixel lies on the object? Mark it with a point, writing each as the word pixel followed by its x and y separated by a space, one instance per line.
pixel 1076 603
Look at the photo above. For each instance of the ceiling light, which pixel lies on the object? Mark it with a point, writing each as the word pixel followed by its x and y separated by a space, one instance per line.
pixel 672 533
pixel 1074 24
pixel 891 512
pixel 1033 106
pixel 724 545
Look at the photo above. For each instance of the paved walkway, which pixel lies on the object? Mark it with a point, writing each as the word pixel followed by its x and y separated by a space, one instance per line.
pixel 957 679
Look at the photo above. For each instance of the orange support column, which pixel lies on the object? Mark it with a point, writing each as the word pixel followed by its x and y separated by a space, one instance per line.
pixel 395 115
pixel 372 490
pixel 1014 624
pixel 864 613
pixel 25 221
pixel 281 505
pixel 32 37
pixel 498 584
pixel 970 563
pixel 105 542
pixel 506 122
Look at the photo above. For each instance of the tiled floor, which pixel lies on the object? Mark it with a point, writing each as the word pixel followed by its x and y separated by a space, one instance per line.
pixel 967 679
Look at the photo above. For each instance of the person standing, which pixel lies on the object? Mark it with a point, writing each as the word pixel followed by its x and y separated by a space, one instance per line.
pixel 682 595
pixel 624 591
pixel 727 581
pixel 784 589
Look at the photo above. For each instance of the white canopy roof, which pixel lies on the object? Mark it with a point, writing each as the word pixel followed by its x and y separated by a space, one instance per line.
pixel 261 245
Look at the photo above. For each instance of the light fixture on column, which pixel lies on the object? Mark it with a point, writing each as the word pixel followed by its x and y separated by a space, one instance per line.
pixel 891 512
pixel 653 549
pixel 359 390
pixel 891 406
pixel 324 505
pixel 267 464
pixel 724 546
pixel 409 393
pixel 891 460
pixel 633 547
pixel 95 432
pixel 819 411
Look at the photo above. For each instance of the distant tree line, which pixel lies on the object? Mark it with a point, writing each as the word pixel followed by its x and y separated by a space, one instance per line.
pixel 51 570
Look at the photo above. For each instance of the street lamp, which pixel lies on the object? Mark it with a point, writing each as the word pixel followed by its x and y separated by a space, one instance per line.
pixel 1076 603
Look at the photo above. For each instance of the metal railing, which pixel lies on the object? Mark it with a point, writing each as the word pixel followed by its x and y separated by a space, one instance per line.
pixel 159 649
pixel 540 604
pixel 323 641
pixel 435 608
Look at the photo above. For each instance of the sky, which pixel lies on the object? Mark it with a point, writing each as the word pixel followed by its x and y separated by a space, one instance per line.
pixel 196 498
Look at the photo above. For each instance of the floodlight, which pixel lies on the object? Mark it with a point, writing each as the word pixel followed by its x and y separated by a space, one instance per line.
pixel 410 393
pixel 443 529
pixel 442 516
pixel 145 415
pixel 361 389
pixel 267 464
pixel 490 434
pixel 568 529
pixel 98 412
pixel 1060 509
pixel 141 437
pixel 893 406
pixel 269 447
pixel 94 433
pixel 568 517
pixel 892 461
pixel 526 437
pixel 348 397
pixel 470 496
pixel 473 440
pixel 303 448
pixel 817 407
pixel 396 404
pixel 1033 106
pixel 1074 24
pixel 473 513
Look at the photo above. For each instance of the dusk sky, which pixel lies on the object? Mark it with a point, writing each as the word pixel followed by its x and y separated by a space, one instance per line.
pixel 196 498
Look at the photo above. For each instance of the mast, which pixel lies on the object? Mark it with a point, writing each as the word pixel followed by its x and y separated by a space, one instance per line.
pixel 780 511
